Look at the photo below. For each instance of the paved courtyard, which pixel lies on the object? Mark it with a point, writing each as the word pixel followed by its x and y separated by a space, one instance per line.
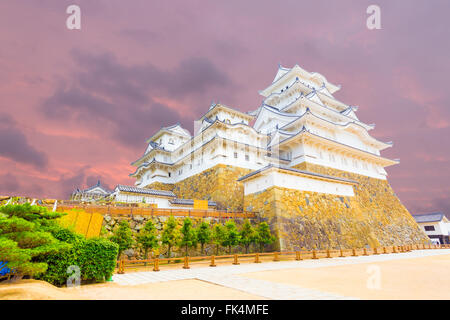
pixel 286 280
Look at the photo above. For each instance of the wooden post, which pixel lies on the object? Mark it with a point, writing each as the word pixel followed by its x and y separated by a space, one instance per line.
pixel 417 246
pixel 298 256
pixel 186 263
pixel 275 256
pixel 429 246
pixel 384 250
pixel 213 264
pixel 354 253
pixel 257 258
pixel 314 254
pixel 235 259
pixel 156 265
pixel 365 252
pixel 341 253
pixel 375 251
pixel 121 267
pixel 394 250
pixel 328 253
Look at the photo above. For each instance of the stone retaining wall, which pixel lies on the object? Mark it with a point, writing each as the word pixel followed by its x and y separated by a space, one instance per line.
pixel 373 217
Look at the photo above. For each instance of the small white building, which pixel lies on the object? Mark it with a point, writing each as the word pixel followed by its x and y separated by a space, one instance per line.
pixel 436 226
pixel 158 198
pixel 96 192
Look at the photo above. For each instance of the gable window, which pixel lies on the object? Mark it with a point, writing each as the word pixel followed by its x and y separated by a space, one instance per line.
pixel 429 228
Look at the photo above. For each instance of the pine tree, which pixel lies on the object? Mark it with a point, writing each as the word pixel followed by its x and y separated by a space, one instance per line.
pixel 25 238
pixel 231 235
pixel 147 238
pixel 170 235
pixel 123 236
pixel 188 236
pixel 203 235
pixel 264 236
pixel 247 235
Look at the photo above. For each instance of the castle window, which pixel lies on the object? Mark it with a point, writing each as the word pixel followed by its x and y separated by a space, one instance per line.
pixel 429 228
pixel 169 174
pixel 235 155
pixel 190 166
pixel 247 158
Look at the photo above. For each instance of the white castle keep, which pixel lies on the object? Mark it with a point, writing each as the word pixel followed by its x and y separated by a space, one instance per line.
pixel 298 121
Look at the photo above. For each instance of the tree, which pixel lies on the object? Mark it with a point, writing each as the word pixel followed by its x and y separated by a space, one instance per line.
pixel 188 236
pixel 25 238
pixel 123 236
pixel 264 236
pixel 147 238
pixel 170 235
pixel 218 236
pixel 247 235
pixel 231 235
pixel 203 234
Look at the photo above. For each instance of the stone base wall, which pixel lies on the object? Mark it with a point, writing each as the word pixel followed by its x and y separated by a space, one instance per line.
pixel 161 186
pixel 217 184
pixel 374 216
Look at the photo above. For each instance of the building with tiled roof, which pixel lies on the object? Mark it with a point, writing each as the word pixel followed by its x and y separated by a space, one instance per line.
pixel 436 225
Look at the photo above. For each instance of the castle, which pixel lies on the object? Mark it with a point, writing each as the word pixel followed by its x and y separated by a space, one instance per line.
pixel 302 160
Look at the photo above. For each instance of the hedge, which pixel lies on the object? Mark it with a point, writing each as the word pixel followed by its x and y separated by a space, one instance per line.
pixel 96 258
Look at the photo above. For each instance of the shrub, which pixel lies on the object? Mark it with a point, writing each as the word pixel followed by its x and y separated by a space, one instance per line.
pixel 147 238
pixel 247 235
pixel 264 236
pixel 188 236
pixel 203 235
pixel 97 259
pixel 170 235
pixel 34 244
pixel 123 236
pixel 231 237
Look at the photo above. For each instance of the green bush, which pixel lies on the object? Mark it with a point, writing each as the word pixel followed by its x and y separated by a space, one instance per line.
pixel 98 259
pixel 34 245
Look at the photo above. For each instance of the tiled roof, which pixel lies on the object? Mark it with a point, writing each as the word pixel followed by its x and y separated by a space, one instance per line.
pixel 190 202
pixel 297 171
pixel 429 217
pixel 145 191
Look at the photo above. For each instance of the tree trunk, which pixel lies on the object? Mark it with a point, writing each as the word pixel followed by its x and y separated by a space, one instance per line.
pixel 229 249
pixel 186 251
pixel 246 249
pixel 145 256
pixel 202 247
pixel 168 253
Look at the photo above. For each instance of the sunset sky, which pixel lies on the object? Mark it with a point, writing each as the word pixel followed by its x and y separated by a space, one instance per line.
pixel 77 105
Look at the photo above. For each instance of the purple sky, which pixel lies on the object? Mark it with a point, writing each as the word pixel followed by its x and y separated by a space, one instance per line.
pixel 76 106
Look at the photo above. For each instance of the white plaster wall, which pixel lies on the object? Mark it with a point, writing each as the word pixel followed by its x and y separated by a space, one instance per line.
pixel 440 228
pixel 291 181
